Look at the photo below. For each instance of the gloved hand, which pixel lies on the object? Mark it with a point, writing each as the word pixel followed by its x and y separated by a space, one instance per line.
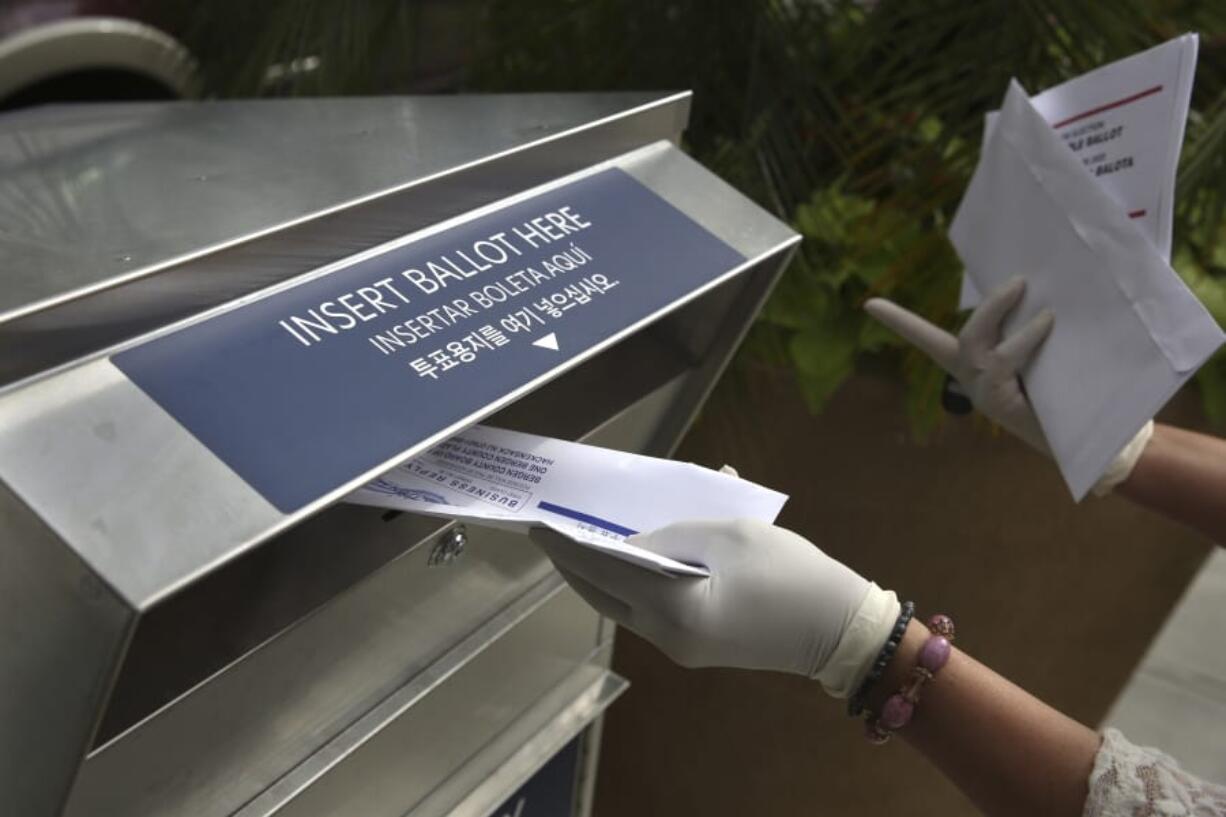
pixel 984 364
pixel 772 601
pixel 987 367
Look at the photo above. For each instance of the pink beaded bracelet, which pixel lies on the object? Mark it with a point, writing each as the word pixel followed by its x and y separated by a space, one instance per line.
pixel 898 709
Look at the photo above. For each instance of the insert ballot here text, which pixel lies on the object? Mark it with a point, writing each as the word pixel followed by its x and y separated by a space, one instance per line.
pixel 526 259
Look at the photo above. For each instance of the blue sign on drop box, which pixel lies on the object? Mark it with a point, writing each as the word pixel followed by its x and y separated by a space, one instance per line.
pixel 310 387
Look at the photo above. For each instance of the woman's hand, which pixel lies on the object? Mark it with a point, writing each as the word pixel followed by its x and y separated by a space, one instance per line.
pixel 772 601
pixel 984 363
pixel 987 365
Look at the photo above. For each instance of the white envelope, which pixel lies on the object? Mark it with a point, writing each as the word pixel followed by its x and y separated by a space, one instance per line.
pixel 1125 120
pixel 596 496
pixel 1128 332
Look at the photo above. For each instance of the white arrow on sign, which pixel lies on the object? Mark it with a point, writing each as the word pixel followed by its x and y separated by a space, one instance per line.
pixel 550 341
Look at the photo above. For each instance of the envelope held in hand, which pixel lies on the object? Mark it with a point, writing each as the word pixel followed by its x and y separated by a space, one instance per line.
pixel 1128 332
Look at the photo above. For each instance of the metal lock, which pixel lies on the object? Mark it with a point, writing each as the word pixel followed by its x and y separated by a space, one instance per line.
pixel 449 547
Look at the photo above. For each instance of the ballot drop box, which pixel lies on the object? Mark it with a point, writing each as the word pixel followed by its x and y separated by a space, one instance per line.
pixel 218 319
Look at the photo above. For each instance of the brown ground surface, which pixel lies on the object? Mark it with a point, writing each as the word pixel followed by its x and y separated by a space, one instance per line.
pixel 1062 599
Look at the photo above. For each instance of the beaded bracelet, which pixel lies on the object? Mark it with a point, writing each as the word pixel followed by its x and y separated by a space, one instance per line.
pixel 855 705
pixel 898 709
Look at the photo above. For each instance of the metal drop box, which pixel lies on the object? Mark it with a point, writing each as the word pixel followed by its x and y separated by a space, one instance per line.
pixel 178 643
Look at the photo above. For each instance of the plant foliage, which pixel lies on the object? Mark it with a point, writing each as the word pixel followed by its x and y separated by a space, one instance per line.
pixel 860 123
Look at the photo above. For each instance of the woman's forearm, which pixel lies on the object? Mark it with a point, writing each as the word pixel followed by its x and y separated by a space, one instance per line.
pixel 1182 475
pixel 1009 752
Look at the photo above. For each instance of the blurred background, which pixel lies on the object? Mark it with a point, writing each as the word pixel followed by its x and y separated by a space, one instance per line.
pixel 858 123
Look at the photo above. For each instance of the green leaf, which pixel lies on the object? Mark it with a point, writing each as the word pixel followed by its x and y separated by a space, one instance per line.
pixel 824 358
pixel 830 215
pixel 800 300
pixel 1212 382
pixel 1209 289
pixel 875 336
pixel 925 381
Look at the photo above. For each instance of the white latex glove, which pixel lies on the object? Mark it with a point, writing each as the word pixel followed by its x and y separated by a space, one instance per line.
pixel 987 367
pixel 984 364
pixel 772 601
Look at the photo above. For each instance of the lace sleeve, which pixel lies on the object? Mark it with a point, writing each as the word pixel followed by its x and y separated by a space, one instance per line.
pixel 1131 781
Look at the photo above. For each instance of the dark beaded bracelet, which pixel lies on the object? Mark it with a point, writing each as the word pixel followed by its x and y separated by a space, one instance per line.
pixel 855 704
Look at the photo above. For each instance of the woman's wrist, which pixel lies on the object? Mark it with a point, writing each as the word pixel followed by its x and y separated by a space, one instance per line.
pixel 896 672
pixel 860 645
pixel 991 738
pixel 1122 466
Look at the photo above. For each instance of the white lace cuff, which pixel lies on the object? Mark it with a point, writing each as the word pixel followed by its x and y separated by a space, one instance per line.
pixel 1129 780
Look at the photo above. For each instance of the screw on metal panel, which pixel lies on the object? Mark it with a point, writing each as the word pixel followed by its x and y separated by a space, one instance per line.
pixel 449 547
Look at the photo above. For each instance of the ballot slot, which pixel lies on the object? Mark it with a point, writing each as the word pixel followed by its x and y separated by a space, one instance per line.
pixel 211 623
pixel 231 717
pixel 207 636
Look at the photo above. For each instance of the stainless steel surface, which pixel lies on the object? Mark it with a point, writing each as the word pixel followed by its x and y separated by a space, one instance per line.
pixel 511 758
pixel 326 758
pixel 79 43
pixel 589 762
pixel 425 743
pixel 192 178
pixel 201 632
pixel 245 723
pixel 297 572
pixel 449 546
pixel 709 200
pixel 224 741
pixel 209 653
pixel 118 479
pixel 63 633
pixel 199 205
pixel 48 430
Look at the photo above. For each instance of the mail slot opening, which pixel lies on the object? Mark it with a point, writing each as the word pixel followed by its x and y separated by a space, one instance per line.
pixel 224 348
pixel 197 632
